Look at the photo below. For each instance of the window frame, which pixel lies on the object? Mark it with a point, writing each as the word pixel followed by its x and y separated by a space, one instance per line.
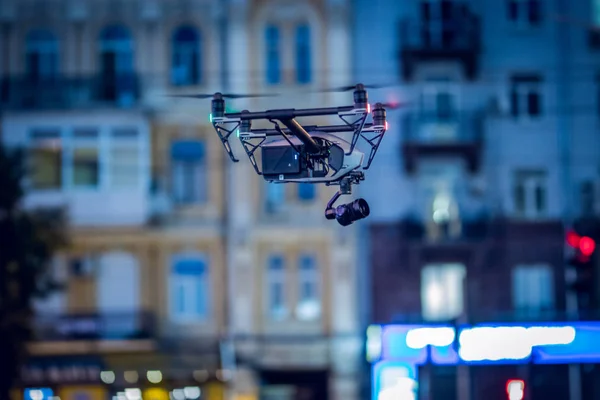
pixel 304 59
pixel 192 50
pixel 176 281
pixel 273 54
pixel 440 272
pixel 530 180
pixel 277 276
pixel 521 86
pixel 199 168
pixel 528 270
pixel 529 13
pixel 310 277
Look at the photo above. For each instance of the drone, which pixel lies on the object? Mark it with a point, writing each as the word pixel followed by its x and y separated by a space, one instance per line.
pixel 294 153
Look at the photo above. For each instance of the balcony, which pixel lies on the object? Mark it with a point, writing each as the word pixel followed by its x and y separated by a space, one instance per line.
pixel 453 37
pixel 67 92
pixel 94 326
pixel 80 11
pixel 452 232
pixel 430 135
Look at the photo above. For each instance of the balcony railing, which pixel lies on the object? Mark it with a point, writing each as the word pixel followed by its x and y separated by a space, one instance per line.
pixel 99 9
pixel 21 92
pixel 455 35
pixel 110 326
pixel 436 134
pixel 468 230
pixel 443 36
pixel 438 127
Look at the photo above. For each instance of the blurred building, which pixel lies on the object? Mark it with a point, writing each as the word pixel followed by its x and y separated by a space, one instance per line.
pixel 188 275
pixel 479 177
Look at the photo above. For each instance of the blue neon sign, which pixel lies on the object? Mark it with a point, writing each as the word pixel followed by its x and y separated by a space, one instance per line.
pixel 404 347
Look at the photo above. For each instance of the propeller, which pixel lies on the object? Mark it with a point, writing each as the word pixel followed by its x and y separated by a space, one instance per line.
pixel 222 95
pixel 394 105
pixel 348 88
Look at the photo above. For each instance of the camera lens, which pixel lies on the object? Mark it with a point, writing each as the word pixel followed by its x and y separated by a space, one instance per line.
pixel 346 214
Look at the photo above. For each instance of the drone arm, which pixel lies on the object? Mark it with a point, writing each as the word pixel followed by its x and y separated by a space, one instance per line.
pixel 297 129
pixel 289 113
pixel 325 129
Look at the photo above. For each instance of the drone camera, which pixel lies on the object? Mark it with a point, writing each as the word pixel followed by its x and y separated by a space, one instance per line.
pixel 346 214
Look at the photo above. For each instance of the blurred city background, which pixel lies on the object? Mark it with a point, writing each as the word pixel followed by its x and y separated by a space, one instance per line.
pixel 138 262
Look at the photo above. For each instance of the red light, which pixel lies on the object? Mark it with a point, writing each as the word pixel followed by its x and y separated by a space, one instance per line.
pixel 368 108
pixel 587 246
pixel 573 239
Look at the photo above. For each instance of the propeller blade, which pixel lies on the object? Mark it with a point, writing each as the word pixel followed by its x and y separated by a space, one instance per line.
pixel 222 95
pixel 394 105
pixel 191 96
pixel 348 88
pixel 248 96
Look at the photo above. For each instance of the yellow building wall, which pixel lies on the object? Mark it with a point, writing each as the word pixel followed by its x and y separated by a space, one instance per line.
pixel 163 133
pixel 291 249
pixel 95 392
pixel 153 250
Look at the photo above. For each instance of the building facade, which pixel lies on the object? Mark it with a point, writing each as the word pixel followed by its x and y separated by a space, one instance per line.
pixel 479 177
pixel 188 275
pixel 292 271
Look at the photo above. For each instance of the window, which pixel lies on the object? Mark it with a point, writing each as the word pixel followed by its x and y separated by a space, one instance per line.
pixel 125 158
pixel 46 158
pixel 117 64
pixel 189 171
pixel 273 55
pixel 442 291
pixel 524 12
pixel 588 197
pixel 438 184
pixel 530 193
pixel 276 301
pixel 189 287
pixel 533 288
pixel 41 60
pixel 526 96
pixel 275 197
pixel 303 56
pixel 309 307
pixel 306 191
pixel 185 57
pixel 86 170
pixel 439 100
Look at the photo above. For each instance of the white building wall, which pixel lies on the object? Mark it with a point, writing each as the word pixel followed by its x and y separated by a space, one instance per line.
pixel 103 205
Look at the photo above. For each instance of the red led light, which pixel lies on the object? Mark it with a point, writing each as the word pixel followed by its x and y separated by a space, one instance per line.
pixel 573 239
pixel 587 246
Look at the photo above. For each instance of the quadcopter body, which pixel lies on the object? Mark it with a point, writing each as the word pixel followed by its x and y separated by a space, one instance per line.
pixel 284 161
pixel 291 152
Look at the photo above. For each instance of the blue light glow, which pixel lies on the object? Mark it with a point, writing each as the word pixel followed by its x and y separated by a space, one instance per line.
pixel 405 347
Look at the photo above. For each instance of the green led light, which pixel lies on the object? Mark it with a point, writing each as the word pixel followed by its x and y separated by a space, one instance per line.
pixel 210 117
pixel 237 132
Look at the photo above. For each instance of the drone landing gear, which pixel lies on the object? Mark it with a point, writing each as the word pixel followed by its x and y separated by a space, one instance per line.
pixel 346 214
